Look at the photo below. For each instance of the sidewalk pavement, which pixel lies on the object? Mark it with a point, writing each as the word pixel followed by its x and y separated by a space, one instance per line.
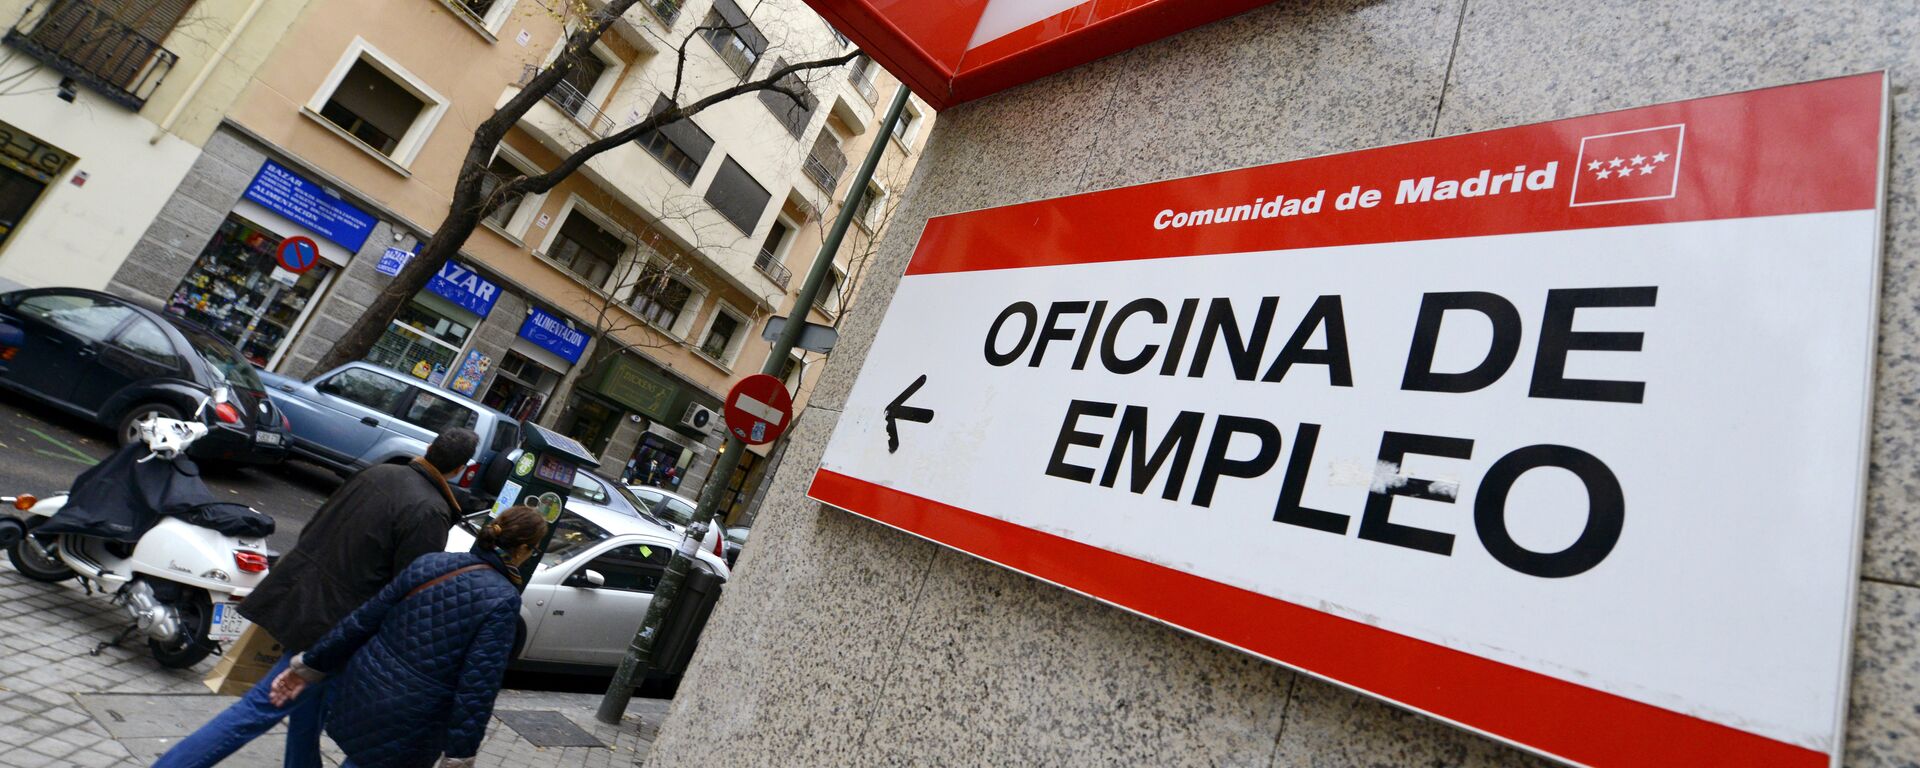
pixel 61 706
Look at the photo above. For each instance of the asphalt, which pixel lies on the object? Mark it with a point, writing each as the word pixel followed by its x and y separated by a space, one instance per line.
pixel 45 450
pixel 42 451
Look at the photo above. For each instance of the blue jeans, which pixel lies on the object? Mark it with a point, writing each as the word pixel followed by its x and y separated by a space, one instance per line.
pixel 251 716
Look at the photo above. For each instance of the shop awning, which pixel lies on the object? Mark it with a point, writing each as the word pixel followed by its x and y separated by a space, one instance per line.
pixel 952 51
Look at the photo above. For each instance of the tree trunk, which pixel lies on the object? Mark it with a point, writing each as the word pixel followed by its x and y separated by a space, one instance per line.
pixel 374 321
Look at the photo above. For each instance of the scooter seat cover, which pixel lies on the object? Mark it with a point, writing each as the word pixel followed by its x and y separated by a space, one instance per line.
pixel 121 498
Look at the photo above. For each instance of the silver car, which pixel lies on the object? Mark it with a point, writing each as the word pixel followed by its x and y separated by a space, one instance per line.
pixel 591 590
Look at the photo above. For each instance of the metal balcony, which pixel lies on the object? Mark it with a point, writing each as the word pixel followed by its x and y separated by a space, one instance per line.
pixel 770 265
pixel 86 42
pixel 858 76
pixel 571 101
pixel 825 162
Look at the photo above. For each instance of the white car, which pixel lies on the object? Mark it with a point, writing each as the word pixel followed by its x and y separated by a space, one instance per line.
pixel 590 592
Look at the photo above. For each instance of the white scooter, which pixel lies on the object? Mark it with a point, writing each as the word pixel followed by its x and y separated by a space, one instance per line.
pixel 181 584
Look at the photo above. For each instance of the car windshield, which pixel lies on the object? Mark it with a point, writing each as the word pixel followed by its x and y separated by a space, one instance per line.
pixel 572 534
pixel 232 369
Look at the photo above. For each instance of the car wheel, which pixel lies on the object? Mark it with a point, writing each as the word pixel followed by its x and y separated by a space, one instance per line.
pixel 129 431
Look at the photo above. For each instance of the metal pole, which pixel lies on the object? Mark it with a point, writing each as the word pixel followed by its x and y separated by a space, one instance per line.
pixel 640 653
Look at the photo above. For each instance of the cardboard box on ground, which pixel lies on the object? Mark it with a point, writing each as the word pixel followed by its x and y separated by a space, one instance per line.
pixel 246 661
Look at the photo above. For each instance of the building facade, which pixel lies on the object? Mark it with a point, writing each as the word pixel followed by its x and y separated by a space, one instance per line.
pixel 616 308
pixel 105 105
pixel 844 642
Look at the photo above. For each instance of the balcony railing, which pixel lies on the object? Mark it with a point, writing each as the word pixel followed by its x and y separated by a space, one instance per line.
pixel 84 41
pixel 770 265
pixel 666 10
pixel 825 162
pixel 571 101
pixel 858 76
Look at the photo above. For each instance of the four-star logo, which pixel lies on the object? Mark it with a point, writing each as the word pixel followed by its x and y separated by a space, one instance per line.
pixel 1629 166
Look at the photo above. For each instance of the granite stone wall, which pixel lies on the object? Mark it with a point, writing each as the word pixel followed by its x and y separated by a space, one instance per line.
pixel 841 642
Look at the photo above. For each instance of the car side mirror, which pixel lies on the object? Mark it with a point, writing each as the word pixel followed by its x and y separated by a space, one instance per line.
pixel 593 577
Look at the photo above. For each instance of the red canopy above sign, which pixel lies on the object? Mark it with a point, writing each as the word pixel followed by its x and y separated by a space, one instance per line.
pixel 952 51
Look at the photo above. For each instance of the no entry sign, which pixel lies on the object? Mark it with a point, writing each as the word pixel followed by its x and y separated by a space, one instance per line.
pixel 1556 432
pixel 758 409
pixel 298 254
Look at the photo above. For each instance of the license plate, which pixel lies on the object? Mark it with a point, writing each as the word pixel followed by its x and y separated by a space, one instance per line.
pixel 267 438
pixel 227 622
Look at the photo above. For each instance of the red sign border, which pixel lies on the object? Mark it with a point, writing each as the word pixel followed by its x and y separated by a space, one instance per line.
pixel 280 254
pixel 925 44
pixel 784 402
pixel 1529 710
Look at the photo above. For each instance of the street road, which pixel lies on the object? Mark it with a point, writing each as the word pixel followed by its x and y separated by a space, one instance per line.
pixel 42 451
pixel 45 450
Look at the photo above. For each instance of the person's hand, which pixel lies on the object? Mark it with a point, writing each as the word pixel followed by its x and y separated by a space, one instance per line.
pixel 286 688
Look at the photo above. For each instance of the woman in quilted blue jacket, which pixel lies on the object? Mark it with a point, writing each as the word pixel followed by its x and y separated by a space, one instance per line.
pixel 420 663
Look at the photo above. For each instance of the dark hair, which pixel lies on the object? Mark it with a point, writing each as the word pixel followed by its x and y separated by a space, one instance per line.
pixel 513 528
pixel 452 449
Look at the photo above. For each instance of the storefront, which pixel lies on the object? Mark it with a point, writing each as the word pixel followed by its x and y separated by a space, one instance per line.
pixel 545 346
pixel 236 286
pixel 429 337
pixel 626 385
pixel 27 166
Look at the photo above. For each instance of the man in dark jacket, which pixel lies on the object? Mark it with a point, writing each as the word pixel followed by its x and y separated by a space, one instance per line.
pixel 370 530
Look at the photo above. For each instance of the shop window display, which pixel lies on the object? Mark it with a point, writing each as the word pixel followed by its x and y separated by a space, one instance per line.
pixel 422 341
pixel 520 387
pixel 238 290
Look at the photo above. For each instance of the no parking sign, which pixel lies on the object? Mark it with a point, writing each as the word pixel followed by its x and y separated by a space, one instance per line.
pixel 298 254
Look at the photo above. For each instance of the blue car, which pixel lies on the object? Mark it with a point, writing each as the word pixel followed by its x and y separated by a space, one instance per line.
pixel 359 415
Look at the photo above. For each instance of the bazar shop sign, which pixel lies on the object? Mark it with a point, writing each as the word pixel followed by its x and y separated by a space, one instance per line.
pixel 1528 429
pixel 554 335
pixel 308 204
pixel 463 286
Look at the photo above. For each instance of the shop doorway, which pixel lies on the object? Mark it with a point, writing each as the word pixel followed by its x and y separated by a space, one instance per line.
pixel 18 193
pixel 590 421
pixel 520 386
pixel 656 462
pixel 238 290
pixel 425 338
pixel 27 167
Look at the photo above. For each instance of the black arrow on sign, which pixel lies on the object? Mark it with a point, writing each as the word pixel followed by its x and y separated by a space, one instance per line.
pixel 899 410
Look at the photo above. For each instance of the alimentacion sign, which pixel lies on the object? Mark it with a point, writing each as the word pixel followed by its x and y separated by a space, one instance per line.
pixel 1554 432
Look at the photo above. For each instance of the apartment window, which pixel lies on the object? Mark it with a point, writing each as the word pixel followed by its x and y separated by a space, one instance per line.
pixel 907 126
pixel 478 9
pixel 659 297
pixel 501 210
pixel 575 90
pixel 680 145
pixel 720 336
pixel 792 113
pixel 586 249
pixel 667 10
pixel 736 39
pixel 869 203
pixel 840 38
pixel 776 237
pixel 862 75
pixel 374 100
pixel 787 370
pixel 372 107
pixel 737 196
pixel 827 160
pixel 828 299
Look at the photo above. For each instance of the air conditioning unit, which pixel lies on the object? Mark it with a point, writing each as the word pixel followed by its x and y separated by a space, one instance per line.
pixel 700 417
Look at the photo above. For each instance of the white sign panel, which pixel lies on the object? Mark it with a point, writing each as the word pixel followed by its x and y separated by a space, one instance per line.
pixel 1555 432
